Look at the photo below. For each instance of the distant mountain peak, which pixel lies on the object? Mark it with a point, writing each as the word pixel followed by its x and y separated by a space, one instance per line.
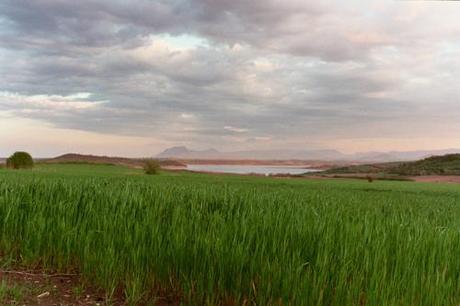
pixel 182 152
pixel 175 150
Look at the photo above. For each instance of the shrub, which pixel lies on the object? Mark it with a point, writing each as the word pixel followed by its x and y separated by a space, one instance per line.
pixel 20 160
pixel 151 166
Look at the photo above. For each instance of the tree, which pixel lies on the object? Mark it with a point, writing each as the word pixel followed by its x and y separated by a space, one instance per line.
pixel 20 160
pixel 151 166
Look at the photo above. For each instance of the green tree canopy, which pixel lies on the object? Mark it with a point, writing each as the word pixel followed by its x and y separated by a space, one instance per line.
pixel 20 160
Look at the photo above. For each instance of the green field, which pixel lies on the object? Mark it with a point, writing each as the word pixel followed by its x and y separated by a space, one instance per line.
pixel 236 240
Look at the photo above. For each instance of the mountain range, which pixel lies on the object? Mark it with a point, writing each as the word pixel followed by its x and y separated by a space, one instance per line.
pixel 182 152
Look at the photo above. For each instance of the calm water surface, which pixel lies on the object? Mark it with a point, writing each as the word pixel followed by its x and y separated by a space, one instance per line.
pixel 245 169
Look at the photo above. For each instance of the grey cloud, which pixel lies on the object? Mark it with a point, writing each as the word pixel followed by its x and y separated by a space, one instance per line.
pixel 329 71
pixel 297 27
pixel 329 30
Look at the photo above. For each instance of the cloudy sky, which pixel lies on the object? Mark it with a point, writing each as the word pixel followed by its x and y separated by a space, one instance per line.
pixel 135 77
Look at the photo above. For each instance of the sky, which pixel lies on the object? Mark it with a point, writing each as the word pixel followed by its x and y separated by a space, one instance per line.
pixel 132 78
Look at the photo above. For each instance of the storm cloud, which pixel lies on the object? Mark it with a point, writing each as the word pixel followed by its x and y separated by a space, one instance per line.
pixel 235 74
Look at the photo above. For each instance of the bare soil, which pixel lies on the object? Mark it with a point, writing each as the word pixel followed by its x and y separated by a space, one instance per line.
pixel 437 179
pixel 455 179
pixel 26 288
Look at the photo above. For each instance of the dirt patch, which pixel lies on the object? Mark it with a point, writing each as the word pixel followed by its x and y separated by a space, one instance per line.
pixel 25 288
pixel 360 176
pixel 437 179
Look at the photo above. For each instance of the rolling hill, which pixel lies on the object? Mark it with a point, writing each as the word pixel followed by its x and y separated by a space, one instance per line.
pixel 93 159
pixel 435 165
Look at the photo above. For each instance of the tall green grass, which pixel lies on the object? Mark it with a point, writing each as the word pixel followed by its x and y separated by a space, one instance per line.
pixel 229 239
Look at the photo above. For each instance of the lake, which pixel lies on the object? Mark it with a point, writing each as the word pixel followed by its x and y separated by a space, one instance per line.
pixel 247 169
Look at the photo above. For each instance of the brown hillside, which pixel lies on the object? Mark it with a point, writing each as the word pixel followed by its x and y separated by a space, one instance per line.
pixel 122 161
